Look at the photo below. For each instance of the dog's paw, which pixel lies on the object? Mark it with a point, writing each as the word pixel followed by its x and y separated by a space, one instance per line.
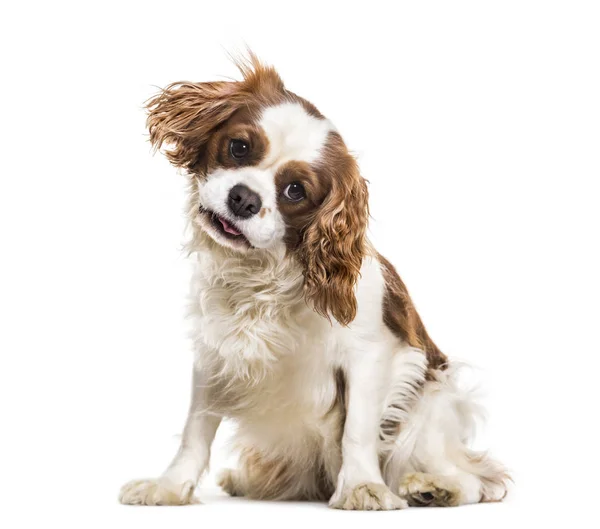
pixel 423 490
pixel 157 492
pixel 228 481
pixel 368 497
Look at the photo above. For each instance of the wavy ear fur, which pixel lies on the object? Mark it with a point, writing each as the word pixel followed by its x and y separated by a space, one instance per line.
pixel 334 244
pixel 185 114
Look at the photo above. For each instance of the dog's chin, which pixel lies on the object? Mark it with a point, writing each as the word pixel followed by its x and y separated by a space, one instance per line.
pixel 223 231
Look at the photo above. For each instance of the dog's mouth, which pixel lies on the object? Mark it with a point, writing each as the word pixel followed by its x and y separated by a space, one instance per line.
pixel 224 227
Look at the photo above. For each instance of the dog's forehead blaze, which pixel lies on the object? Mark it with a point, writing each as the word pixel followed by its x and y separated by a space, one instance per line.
pixel 293 134
pixel 279 133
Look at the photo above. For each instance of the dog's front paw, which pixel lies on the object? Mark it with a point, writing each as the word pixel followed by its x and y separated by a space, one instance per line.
pixel 157 492
pixel 367 497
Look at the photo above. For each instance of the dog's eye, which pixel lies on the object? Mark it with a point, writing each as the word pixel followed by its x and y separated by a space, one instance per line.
pixel 239 149
pixel 294 192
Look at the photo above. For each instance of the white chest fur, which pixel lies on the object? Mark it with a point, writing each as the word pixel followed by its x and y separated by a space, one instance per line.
pixel 253 330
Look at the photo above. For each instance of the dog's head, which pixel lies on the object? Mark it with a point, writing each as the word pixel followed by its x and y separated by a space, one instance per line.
pixel 269 171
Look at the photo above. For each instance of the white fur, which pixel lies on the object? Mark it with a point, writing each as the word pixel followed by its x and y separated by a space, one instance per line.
pixel 265 358
pixel 293 134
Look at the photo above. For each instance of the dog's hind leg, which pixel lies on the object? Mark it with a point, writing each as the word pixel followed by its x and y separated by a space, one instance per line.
pixel 231 482
pixel 273 477
pixel 431 462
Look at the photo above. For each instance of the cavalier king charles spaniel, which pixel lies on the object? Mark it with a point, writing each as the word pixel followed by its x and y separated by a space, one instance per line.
pixel 302 332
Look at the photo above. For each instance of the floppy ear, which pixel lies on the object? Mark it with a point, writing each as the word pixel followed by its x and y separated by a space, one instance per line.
pixel 334 244
pixel 185 114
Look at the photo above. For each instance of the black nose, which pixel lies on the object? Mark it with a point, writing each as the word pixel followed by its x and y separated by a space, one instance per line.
pixel 243 202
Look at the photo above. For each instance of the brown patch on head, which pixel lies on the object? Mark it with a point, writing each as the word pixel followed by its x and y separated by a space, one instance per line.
pixel 401 317
pixel 217 152
pixel 186 115
pixel 199 120
pixel 299 215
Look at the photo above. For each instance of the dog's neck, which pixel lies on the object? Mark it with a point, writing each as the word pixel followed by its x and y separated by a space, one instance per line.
pixel 255 267
pixel 243 302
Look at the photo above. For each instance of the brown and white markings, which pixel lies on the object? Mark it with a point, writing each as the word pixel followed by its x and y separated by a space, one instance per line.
pixel 303 333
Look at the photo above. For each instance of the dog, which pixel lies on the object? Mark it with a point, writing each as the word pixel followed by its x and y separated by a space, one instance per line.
pixel 302 332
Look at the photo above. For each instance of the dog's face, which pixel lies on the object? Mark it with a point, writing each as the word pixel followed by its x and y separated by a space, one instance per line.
pixel 261 174
pixel 268 171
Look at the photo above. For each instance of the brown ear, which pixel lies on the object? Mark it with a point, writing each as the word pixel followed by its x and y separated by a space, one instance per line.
pixel 185 114
pixel 334 244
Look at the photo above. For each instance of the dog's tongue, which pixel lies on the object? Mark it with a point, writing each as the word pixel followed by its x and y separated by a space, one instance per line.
pixel 228 227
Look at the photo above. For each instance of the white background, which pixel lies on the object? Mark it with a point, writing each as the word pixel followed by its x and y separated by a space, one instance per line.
pixel 478 126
